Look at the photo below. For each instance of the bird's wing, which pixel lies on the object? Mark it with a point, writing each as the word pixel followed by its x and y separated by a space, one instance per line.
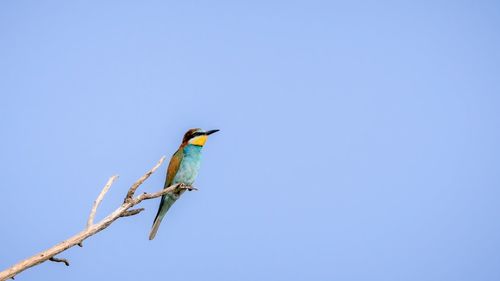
pixel 173 166
pixel 167 200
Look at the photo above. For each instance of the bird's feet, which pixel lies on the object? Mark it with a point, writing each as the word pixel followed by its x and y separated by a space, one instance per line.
pixel 188 187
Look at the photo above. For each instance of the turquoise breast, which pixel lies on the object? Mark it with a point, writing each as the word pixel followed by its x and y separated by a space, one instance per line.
pixel 189 166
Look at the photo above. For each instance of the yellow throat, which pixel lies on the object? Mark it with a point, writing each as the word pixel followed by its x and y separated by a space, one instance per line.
pixel 199 140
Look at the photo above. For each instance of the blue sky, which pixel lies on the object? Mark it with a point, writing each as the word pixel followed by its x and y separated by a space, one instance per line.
pixel 359 140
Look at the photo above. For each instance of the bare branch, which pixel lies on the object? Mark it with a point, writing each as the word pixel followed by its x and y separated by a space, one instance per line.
pixel 134 187
pixel 98 200
pixel 93 228
pixel 131 212
pixel 54 259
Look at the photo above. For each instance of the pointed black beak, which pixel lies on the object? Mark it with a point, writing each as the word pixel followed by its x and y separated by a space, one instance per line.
pixel 211 132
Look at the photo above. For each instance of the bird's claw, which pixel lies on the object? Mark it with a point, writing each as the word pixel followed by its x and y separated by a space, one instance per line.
pixel 188 187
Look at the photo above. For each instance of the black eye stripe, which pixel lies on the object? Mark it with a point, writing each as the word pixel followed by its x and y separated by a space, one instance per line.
pixel 197 134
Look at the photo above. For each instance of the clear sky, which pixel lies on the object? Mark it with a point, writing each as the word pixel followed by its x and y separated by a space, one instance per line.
pixel 359 139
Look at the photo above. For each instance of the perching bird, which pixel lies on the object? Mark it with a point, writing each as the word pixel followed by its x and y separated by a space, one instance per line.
pixel 183 168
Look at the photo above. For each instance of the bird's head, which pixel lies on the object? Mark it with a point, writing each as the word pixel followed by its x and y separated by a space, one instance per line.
pixel 197 136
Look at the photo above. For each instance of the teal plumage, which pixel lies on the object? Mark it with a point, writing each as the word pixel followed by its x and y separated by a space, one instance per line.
pixel 183 168
pixel 190 165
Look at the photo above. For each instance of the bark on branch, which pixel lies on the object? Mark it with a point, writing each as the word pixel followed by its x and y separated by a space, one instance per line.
pixel 93 228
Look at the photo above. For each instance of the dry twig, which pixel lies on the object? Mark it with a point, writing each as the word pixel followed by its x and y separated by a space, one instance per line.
pixel 54 259
pixel 134 187
pixel 93 228
pixel 98 200
pixel 132 212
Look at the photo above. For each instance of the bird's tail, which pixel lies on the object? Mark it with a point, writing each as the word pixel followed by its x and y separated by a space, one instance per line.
pixel 166 202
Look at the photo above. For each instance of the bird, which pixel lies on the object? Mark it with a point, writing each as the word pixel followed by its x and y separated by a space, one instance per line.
pixel 182 169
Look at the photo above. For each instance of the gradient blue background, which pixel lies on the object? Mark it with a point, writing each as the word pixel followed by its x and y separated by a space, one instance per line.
pixel 359 140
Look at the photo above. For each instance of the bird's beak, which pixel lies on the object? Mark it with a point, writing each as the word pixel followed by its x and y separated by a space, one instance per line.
pixel 210 132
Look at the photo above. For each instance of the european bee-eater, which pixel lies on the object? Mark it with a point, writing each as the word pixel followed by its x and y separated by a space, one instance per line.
pixel 183 168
